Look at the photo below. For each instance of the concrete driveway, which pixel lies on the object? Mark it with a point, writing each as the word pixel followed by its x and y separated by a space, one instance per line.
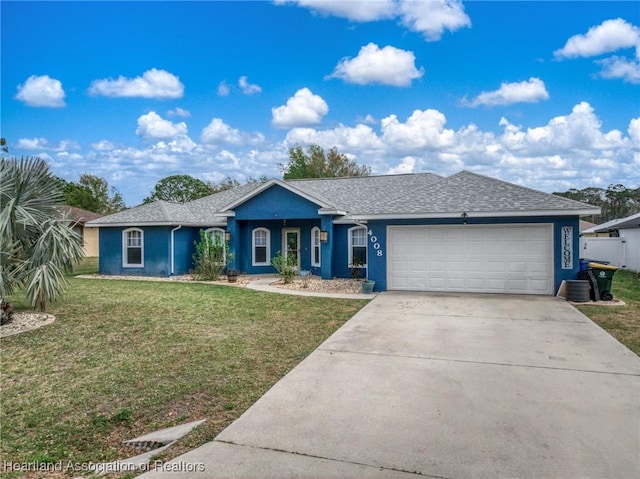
pixel 446 386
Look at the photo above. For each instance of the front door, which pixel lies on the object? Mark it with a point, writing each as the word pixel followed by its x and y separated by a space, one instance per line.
pixel 291 244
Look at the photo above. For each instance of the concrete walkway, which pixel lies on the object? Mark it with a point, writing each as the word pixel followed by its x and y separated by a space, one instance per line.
pixel 446 386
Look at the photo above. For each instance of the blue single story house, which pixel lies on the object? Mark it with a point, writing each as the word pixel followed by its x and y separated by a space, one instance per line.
pixel 420 232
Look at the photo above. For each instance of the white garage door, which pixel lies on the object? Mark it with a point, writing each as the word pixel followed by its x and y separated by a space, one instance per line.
pixel 514 259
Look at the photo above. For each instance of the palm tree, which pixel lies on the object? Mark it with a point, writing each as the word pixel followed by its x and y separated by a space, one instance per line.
pixel 36 246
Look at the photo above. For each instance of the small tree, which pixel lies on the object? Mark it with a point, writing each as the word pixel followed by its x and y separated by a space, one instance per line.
pixel 209 257
pixel 36 247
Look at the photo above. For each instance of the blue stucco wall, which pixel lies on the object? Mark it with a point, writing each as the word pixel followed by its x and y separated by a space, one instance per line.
pixel 156 252
pixel 243 250
pixel 276 203
pixel 184 240
pixel 378 262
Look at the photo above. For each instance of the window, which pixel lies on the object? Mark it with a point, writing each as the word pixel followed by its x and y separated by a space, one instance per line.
pixel 217 238
pixel 358 246
pixel 132 248
pixel 315 246
pixel 261 253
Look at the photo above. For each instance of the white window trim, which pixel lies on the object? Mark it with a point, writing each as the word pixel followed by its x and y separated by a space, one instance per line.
pixel 210 232
pixel 315 230
pixel 125 247
pixel 366 245
pixel 253 247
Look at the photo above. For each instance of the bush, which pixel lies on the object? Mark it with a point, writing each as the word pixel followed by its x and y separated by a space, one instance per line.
pixel 356 267
pixel 285 267
pixel 209 257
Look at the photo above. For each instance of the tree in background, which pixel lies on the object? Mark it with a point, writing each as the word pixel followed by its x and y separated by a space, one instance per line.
pixel 36 247
pixel 179 189
pixel 3 145
pixel 316 164
pixel 617 201
pixel 92 193
pixel 228 183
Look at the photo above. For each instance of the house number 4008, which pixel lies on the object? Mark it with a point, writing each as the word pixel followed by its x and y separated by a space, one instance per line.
pixel 376 245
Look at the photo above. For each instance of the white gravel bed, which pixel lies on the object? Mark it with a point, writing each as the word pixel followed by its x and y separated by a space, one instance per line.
pixel 318 285
pixel 23 322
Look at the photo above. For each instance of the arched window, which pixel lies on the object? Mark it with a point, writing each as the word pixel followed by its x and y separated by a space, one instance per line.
pixel 358 246
pixel 133 248
pixel 260 247
pixel 315 246
pixel 216 235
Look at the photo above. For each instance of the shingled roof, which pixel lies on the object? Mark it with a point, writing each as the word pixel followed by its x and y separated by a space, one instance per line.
pixel 369 197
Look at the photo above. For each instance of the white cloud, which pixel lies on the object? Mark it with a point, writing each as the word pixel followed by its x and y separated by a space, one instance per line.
pixel 619 67
pixel 179 112
pixel 406 165
pixel 223 89
pixel 358 138
pixel 368 119
pixel 42 144
pixel 153 126
pixel 153 83
pixel 433 17
pixel 103 145
pixel 357 11
pixel 41 91
pixel 609 36
pixel 217 132
pixel 578 133
pixel 248 88
pixel 422 130
pixel 386 66
pixel 429 17
pixel 302 109
pixel 634 132
pixel 531 91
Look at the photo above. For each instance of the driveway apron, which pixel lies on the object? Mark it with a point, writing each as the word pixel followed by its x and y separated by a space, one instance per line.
pixel 444 386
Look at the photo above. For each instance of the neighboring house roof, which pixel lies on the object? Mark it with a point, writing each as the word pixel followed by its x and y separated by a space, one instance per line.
pixel 420 195
pixel 632 221
pixel 585 225
pixel 201 212
pixel 77 215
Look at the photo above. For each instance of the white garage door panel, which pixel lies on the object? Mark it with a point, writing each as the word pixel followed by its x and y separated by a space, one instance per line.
pixel 491 259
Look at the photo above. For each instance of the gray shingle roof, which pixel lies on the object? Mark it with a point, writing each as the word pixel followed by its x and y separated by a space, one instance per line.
pixel 367 194
pixel 371 196
pixel 632 221
pixel 473 193
pixel 202 212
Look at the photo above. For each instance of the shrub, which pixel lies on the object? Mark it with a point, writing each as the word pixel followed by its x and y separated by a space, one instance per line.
pixel 356 267
pixel 209 258
pixel 285 267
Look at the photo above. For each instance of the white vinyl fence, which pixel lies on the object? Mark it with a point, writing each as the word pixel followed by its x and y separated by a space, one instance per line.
pixel 617 251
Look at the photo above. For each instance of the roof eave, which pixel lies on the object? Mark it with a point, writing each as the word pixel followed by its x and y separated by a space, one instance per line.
pixel 473 214
pixel 156 223
pixel 265 186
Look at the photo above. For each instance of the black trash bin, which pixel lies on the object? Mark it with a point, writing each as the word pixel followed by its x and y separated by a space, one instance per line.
pixel 600 277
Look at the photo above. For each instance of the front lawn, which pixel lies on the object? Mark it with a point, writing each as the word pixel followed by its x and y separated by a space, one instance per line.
pixel 622 322
pixel 125 358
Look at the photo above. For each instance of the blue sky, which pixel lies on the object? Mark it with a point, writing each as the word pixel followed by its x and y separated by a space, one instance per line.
pixel 543 94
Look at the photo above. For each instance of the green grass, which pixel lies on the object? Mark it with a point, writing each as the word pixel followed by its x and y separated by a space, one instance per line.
pixel 88 265
pixel 622 322
pixel 125 358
